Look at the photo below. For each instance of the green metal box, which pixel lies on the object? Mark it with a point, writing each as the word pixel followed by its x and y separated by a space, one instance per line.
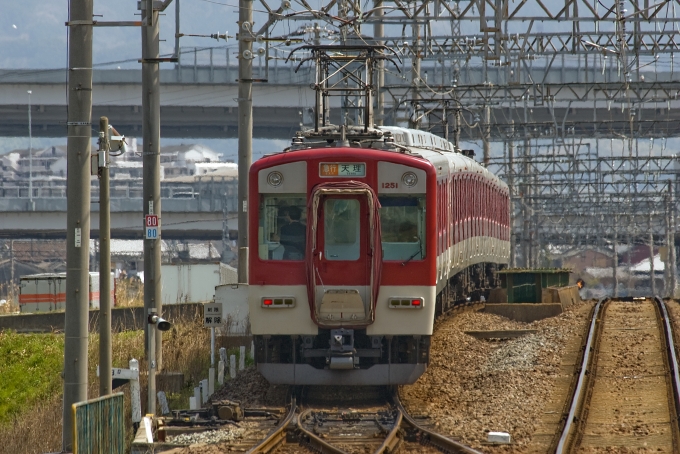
pixel 526 285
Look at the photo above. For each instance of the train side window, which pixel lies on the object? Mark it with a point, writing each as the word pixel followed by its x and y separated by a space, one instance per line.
pixel 402 221
pixel 282 227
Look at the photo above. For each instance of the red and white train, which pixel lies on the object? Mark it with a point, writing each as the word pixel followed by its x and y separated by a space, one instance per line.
pixel 355 249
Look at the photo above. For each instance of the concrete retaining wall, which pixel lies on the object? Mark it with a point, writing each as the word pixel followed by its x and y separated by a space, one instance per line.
pixel 122 319
pixel 555 300
pixel 524 312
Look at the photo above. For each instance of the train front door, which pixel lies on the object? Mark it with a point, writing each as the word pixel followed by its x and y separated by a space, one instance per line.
pixel 342 261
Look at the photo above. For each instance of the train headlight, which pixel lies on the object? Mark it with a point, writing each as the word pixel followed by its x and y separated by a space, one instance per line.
pixel 275 179
pixel 409 179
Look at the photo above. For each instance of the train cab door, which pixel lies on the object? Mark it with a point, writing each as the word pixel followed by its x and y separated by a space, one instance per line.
pixel 342 260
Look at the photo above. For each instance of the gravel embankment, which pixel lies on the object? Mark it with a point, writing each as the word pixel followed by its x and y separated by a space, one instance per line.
pixel 228 433
pixel 476 386
pixel 252 390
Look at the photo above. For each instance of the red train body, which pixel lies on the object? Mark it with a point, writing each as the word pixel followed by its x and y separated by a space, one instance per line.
pixel 354 250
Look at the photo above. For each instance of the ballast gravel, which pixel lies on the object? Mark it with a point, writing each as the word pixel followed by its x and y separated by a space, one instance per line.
pixel 228 433
pixel 473 387
pixel 251 389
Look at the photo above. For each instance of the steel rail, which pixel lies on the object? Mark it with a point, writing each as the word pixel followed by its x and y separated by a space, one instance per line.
pixel 581 379
pixel 427 436
pixel 672 355
pixel 275 438
pixel 392 439
pixel 313 440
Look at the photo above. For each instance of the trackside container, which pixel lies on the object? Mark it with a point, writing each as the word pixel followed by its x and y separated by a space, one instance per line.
pixel 193 282
pixel 46 292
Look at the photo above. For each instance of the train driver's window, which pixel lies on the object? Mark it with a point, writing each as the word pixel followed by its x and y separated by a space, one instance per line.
pixel 282 227
pixel 402 221
pixel 342 229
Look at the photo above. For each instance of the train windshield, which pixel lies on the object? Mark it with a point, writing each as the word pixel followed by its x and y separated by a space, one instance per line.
pixel 341 229
pixel 402 220
pixel 283 226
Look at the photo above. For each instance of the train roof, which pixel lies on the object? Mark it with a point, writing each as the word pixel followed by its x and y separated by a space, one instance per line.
pixel 396 139
pixel 436 149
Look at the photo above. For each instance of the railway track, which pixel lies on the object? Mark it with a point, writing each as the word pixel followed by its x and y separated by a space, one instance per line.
pixel 626 395
pixel 374 423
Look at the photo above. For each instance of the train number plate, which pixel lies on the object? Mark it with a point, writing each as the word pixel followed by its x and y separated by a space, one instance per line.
pixel 342 169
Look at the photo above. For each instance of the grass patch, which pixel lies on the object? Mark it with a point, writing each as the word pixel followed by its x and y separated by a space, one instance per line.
pixel 31 383
pixel 129 293
pixel 31 366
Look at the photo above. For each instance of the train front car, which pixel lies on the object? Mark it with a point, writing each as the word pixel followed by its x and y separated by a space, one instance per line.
pixel 341 290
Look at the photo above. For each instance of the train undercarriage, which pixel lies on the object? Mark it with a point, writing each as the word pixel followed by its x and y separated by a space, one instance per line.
pixel 472 284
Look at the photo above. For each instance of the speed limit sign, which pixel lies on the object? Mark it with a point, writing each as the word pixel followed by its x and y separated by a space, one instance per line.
pixel 151 227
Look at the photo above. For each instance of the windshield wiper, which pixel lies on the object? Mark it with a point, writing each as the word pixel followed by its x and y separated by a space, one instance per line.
pixel 419 251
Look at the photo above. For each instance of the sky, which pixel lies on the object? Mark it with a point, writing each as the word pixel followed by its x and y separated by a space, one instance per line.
pixel 33 33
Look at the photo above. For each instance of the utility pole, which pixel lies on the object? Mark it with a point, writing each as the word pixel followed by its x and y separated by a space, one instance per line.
pixel 12 287
pixel 30 155
pixel 151 162
pixel 105 361
pixel 78 211
pixel 245 128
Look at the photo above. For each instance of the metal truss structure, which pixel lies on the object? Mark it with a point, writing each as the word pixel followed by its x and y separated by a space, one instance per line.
pixel 542 87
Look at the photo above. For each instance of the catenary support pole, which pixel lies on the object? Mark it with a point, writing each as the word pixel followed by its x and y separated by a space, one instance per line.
pixel 79 129
pixel 667 242
pixel 151 162
pixel 511 189
pixel 245 129
pixel 672 260
pixel 524 201
pixel 651 255
pixel 486 138
pixel 615 263
pixel 414 121
pixel 105 362
pixel 378 33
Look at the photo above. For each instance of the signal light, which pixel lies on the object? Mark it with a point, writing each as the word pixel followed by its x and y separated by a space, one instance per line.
pixel 268 302
pixel 415 302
